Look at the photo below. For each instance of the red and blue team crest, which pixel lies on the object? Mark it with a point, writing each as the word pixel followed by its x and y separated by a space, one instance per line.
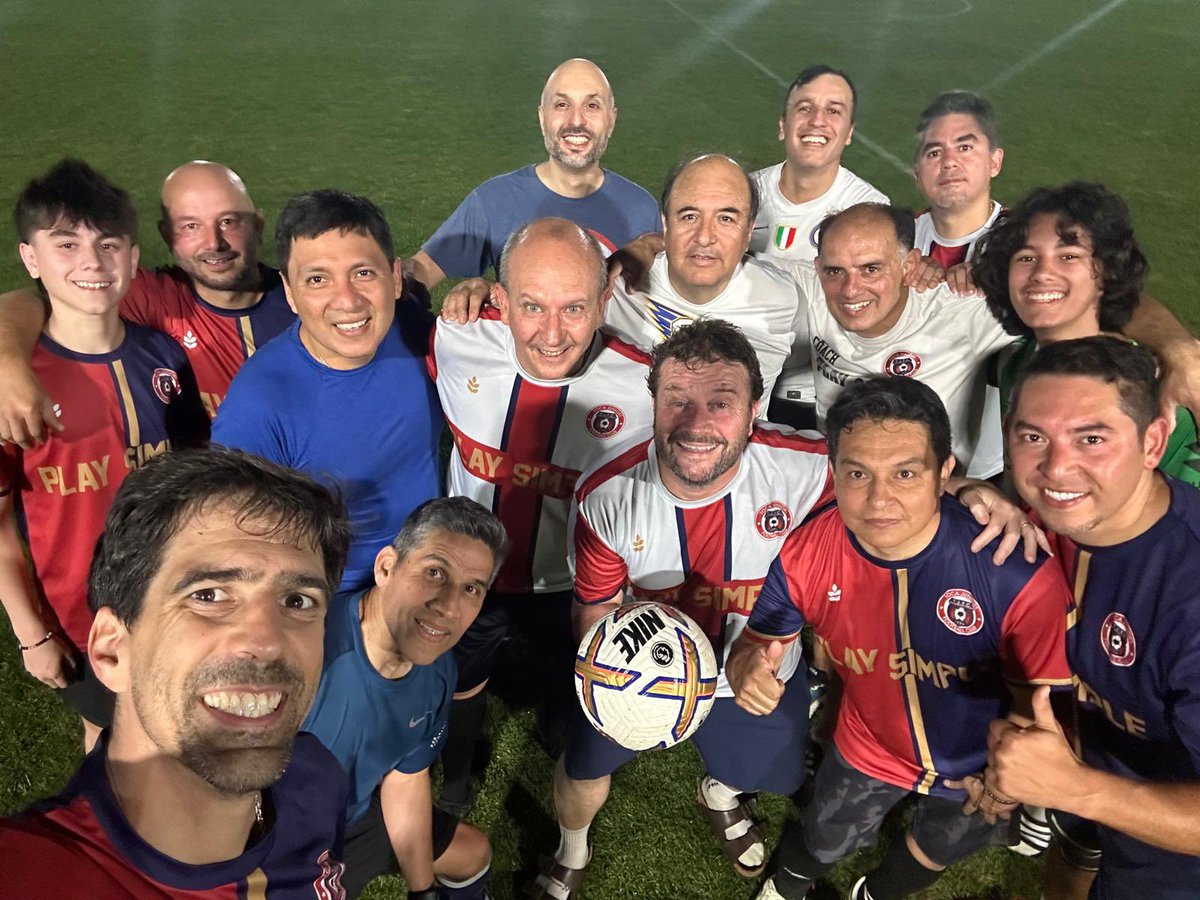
pixel 772 520
pixel 959 611
pixel 166 384
pixel 1117 640
pixel 604 421
pixel 902 363
pixel 785 236
pixel 328 885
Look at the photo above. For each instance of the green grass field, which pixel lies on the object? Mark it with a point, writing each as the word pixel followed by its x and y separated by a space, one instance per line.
pixel 414 104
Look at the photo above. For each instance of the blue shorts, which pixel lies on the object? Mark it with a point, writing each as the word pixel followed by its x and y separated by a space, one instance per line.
pixel 744 751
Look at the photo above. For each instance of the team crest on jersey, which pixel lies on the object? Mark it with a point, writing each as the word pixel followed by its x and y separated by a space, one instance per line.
pixel 903 363
pixel 785 236
pixel 166 384
pixel 772 520
pixel 665 319
pixel 604 421
pixel 328 885
pixel 960 612
pixel 1116 637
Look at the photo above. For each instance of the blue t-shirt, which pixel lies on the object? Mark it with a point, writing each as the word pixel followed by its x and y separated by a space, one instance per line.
pixel 1134 647
pixel 374 724
pixel 371 432
pixel 469 242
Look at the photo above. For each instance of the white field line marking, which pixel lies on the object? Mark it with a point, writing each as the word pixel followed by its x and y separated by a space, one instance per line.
pixel 1078 28
pixel 875 148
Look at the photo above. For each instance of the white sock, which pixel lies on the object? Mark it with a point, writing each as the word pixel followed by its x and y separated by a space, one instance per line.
pixel 466 882
pixel 718 795
pixel 572 847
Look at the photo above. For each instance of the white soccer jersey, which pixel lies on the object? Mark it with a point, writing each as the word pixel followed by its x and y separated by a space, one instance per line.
pixel 949 252
pixel 788 231
pixel 708 557
pixel 520 443
pixel 989 452
pixel 760 299
pixel 941 339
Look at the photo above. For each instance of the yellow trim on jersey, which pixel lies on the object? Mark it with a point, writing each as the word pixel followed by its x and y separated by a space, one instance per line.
pixel 910 686
pixel 1081 576
pixel 247 335
pixel 135 431
pixel 256 885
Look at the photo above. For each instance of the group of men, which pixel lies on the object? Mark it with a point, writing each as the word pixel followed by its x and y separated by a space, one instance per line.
pixel 233 599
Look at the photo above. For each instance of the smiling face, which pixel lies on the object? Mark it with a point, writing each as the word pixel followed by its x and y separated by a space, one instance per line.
pixel 1078 460
pixel 818 124
pixel 212 227
pixel 1054 283
pixel 432 595
pixel 220 667
pixel 862 271
pixel 706 227
pixel 956 164
pixel 344 289
pixel 889 486
pixel 577 114
pixel 85 272
pixel 552 304
pixel 703 417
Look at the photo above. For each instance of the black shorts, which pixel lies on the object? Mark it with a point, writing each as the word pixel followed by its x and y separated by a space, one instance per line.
pixel 87 695
pixel 1077 839
pixel 848 807
pixel 368 851
pixel 543 619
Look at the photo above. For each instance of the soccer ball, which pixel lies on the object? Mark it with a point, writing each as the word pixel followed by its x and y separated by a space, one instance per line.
pixel 646 676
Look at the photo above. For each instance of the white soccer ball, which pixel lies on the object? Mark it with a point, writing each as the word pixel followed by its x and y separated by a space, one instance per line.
pixel 646 676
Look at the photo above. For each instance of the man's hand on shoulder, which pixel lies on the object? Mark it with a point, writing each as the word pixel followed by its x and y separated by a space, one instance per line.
pixel 961 281
pixel 467 299
pixel 633 261
pixel 925 275
pixel 27 413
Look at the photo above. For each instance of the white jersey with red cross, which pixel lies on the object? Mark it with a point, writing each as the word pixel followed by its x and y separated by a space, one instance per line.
pixel 520 443
pixel 708 557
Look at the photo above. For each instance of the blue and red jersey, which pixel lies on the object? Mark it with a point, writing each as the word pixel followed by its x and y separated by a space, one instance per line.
pixel 118 409
pixel 80 846
pixel 1133 642
pixel 217 340
pixel 924 645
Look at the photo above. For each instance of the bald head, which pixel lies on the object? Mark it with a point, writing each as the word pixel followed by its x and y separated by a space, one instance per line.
pixel 707 168
pixel 577 115
pixel 554 237
pixel 211 225
pixel 861 218
pixel 579 73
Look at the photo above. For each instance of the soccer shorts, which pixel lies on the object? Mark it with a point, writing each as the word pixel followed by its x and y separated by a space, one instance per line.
pixel 1077 839
pixel 544 618
pixel 744 751
pixel 848 807
pixel 368 851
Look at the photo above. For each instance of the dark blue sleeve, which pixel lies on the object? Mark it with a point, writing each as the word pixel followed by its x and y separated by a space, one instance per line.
pixel 463 246
pixel 775 614
pixel 248 420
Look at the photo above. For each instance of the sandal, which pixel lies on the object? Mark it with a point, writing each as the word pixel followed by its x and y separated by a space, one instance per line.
pixel 721 820
pixel 555 881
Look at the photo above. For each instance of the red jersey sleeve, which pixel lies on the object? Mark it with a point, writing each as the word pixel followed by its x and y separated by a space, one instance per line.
pixel 152 297
pixel 600 573
pixel 1033 636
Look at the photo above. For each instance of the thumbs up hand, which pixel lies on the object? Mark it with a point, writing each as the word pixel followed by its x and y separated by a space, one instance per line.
pixel 1031 760
pixel 752 670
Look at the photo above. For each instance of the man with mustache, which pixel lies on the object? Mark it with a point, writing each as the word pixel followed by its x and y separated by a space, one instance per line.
pixel 218 301
pixel 692 512
pixel 577 114
pixel 210 588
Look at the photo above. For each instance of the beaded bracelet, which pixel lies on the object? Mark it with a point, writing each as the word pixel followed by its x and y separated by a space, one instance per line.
pixel 36 644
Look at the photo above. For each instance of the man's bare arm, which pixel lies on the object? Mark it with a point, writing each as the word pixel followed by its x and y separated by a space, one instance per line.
pixel 422 267
pixel 26 412
pixel 1177 349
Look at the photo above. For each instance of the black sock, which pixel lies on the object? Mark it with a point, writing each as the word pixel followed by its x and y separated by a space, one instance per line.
pixel 466 725
pixel 900 874
pixel 797 868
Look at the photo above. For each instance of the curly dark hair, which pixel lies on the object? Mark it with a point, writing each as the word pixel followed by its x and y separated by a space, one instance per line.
pixel 707 341
pixel 1081 209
